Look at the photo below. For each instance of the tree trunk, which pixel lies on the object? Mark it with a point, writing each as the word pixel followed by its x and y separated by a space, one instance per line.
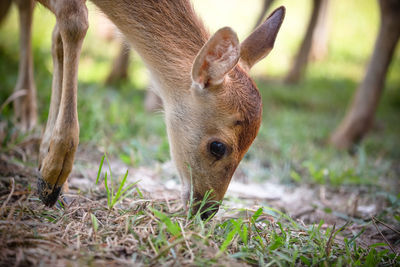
pixel 4 8
pixel 300 63
pixel 120 65
pixel 319 46
pixel 360 115
pixel 266 5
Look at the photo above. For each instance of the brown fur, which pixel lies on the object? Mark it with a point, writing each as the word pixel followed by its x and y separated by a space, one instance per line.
pixel 166 34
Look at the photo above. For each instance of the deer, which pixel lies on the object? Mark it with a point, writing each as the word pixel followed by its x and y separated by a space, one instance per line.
pixel 213 109
pixel 24 97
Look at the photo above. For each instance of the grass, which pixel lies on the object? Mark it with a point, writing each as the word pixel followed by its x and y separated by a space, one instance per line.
pixel 142 230
pixel 122 192
pixel 116 222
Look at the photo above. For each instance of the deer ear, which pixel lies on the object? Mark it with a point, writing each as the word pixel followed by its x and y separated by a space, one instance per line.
pixel 261 41
pixel 216 58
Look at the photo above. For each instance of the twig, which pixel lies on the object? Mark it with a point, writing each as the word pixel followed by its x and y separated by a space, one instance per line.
pixel 78 241
pixel 9 196
pixel 379 231
pixel 13 96
pixel 187 244
pixel 167 202
pixel 66 230
pixel 384 224
pixel 151 245
pixel 303 212
pixel 27 223
pixel 329 243
pixel 173 244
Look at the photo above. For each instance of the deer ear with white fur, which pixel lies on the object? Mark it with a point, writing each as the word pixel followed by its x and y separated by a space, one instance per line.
pixel 216 58
pixel 261 41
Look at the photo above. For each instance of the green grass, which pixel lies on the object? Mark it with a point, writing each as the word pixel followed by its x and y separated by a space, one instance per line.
pixel 114 194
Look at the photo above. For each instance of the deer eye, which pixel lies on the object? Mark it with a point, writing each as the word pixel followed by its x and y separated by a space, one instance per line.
pixel 217 149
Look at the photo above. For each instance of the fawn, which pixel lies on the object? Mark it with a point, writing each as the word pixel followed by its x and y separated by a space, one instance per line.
pixel 212 107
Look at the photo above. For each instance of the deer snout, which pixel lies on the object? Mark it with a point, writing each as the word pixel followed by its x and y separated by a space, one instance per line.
pixel 204 205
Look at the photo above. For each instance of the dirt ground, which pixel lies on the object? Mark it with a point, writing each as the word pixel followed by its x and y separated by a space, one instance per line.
pixel 23 217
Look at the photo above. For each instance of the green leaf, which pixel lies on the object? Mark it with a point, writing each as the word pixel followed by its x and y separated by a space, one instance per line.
pixel 95 222
pixel 100 167
pixel 127 193
pixel 278 242
pixel 244 234
pixel 108 191
pixel 241 229
pixel 111 178
pixel 119 192
pixel 371 259
pixel 227 241
pixel 378 245
pixel 295 176
pixel 60 203
pixel 172 228
pixel 139 192
pixel 256 215
pixel 305 260
pixel 356 236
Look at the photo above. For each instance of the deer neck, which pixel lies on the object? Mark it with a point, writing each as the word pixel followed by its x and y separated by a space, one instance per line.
pixel 166 34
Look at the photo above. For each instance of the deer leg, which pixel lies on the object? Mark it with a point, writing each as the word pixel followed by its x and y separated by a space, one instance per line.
pixel 25 106
pixel 57 164
pixel 56 90
pixel 120 64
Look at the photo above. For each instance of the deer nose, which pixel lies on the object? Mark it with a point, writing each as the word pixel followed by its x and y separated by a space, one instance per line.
pixel 209 213
pixel 204 209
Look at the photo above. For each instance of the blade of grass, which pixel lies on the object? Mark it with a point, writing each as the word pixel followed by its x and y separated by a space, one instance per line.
pixel 189 214
pixel 95 222
pixel 227 241
pixel 108 191
pixel 118 194
pixel 100 167
pixel 126 195
pixel 111 178
pixel 173 228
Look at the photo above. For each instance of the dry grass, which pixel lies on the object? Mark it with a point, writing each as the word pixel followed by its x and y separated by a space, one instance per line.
pixel 86 231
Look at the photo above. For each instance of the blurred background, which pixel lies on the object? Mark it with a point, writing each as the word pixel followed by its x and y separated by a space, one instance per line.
pixel 299 116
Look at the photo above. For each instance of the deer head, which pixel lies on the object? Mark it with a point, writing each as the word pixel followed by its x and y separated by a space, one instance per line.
pixel 211 129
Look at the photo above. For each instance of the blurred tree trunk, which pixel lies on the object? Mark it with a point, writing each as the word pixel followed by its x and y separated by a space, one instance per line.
pixel 266 5
pixel 4 8
pixel 119 70
pixel 360 115
pixel 300 63
pixel 319 46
